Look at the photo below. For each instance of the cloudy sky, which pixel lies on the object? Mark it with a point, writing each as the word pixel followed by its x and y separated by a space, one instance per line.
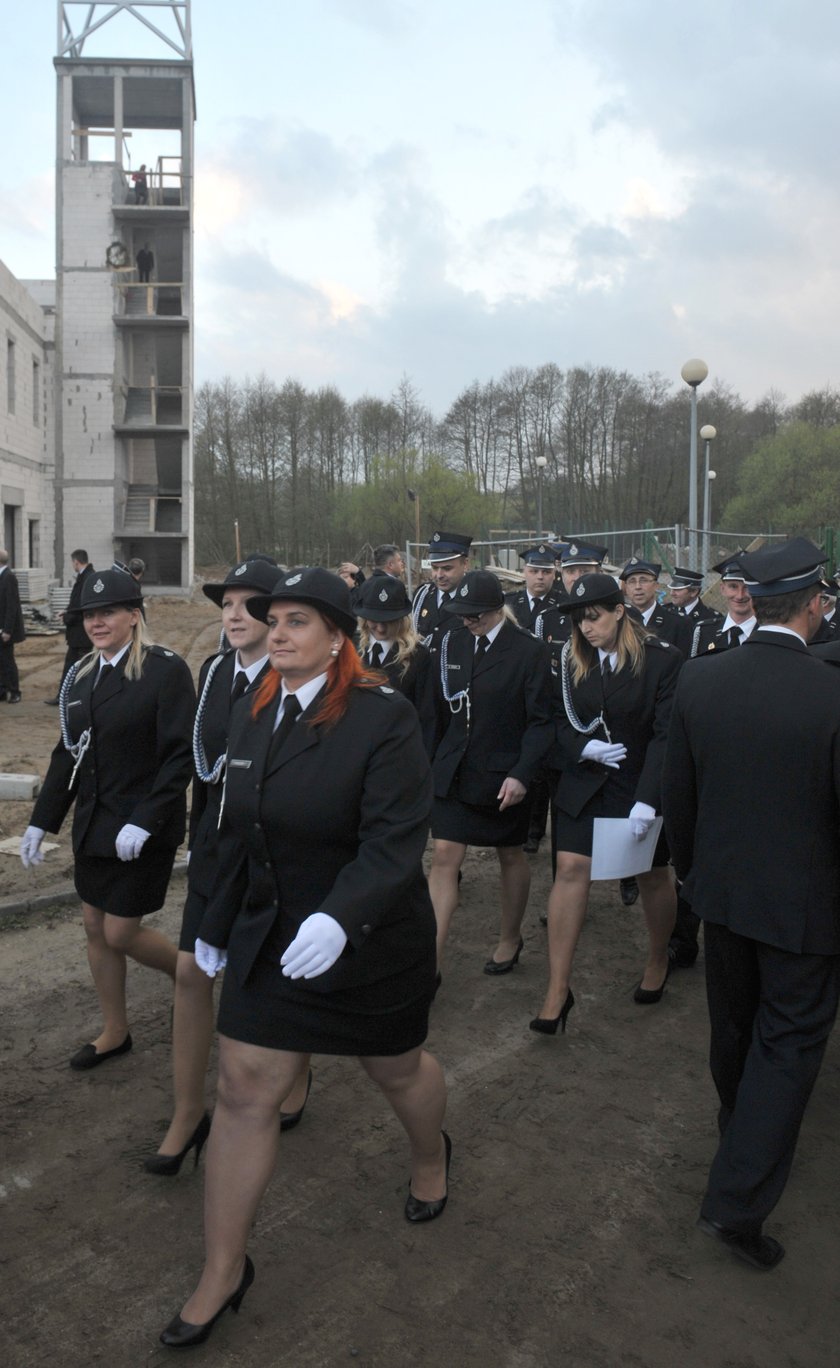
pixel 445 188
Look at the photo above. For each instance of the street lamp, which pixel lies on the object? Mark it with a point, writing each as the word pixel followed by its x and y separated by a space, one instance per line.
pixel 707 435
pixel 694 372
pixel 414 498
pixel 541 462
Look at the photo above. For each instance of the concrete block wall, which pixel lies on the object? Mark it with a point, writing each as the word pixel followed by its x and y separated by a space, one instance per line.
pixel 26 445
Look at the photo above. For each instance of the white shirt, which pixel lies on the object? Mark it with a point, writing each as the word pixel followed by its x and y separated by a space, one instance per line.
pixel 612 657
pixel 304 695
pixel 788 631
pixel 648 613
pixel 490 636
pixel 115 659
pixel 746 627
pixel 250 671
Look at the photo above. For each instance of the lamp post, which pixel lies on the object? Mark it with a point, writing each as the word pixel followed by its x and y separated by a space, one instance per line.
pixel 414 498
pixel 707 435
pixel 541 462
pixel 694 372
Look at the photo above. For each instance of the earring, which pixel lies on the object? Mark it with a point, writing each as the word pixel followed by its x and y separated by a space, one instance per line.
pixel 334 651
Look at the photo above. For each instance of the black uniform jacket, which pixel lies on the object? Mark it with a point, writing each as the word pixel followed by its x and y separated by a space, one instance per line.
pixel 417 684
pixel 11 615
pixel 708 639
pixel 74 623
pixel 207 798
pixel 752 793
pixel 637 710
pixel 139 761
pixel 510 725
pixel 671 627
pixel 701 612
pixel 827 631
pixel 334 821
pixel 519 603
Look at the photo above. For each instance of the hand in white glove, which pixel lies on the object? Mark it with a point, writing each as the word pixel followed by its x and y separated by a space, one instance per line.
pixel 609 753
pixel 641 820
pixel 208 958
pixel 315 949
pixel 30 847
pixel 130 841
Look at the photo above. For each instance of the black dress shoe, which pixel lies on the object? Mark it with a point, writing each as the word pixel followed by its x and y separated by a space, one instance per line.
pixel 548 1025
pixel 89 1058
pixel 13 698
pixel 415 1210
pixel 167 1165
pixel 181 1334
pixel 629 890
pixel 532 845
pixel 646 997
pixel 762 1251
pixel 288 1120
pixel 51 702
pixel 504 966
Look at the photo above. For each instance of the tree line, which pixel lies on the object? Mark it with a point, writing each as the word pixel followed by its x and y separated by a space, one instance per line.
pixel 312 477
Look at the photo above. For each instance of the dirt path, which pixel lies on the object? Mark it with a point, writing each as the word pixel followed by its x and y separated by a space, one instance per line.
pixel 577 1171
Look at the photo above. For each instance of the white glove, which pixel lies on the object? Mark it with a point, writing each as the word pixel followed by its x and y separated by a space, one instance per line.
pixel 315 949
pixel 30 847
pixel 609 753
pixel 641 820
pixel 208 958
pixel 130 841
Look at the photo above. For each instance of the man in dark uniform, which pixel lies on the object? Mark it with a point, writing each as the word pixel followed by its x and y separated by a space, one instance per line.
pixel 827 628
pixel 11 631
pixel 684 587
pixel 449 556
pixel 641 579
pixel 78 642
pixel 573 559
pixel 735 629
pixel 387 560
pixel 527 606
pixel 771 904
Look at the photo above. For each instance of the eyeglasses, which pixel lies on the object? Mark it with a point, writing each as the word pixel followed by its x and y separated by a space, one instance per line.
pixel 473 617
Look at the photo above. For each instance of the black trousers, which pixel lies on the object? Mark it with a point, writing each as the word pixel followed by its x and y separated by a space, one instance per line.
pixel 771 1013
pixel 9 677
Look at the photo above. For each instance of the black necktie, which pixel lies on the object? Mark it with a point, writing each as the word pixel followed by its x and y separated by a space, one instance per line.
pixel 104 669
pixel 291 710
pixel 240 684
pixel 536 608
pixel 606 667
pixel 735 635
pixel 481 648
pixel 376 654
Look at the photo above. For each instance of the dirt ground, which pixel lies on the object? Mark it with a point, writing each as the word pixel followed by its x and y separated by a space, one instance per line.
pixel 577 1171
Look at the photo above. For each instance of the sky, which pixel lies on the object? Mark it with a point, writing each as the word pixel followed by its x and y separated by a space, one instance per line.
pixel 448 188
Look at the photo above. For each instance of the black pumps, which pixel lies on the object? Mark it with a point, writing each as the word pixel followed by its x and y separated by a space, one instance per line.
pixel 504 966
pixel 415 1210
pixel 167 1165
pixel 548 1025
pixel 88 1057
pixel 646 997
pixel 180 1334
pixel 288 1120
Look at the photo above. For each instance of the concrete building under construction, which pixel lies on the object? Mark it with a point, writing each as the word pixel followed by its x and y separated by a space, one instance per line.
pixel 112 363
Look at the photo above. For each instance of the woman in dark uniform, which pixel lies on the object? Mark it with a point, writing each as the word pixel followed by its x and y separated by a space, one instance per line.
pixel 126 715
pixel 223 680
pixel 616 684
pixel 332 950
pixel 388 641
pixel 495 686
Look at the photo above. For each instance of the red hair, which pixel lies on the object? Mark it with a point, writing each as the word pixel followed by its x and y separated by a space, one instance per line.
pixel 344 672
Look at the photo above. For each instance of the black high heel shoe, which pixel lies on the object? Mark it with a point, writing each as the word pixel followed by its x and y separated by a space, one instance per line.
pixel 548 1025
pixel 167 1165
pixel 648 997
pixel 415 1209
pixel 181 1334
pixel 504 966
pixel 288 1120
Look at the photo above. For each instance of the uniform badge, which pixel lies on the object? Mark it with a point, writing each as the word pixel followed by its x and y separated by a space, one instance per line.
pixel 296 579
pixel 436 537
pixel 383 597
pixel 169 653
pixel 573 550
pixel 634 560
pixel 240 570
pixel 98 587
pixel 465 591
pixel 581 589
pixel 424 612
pixel 383 688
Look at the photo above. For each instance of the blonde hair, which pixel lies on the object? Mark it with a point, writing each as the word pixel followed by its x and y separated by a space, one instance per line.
pixel 140 643
pixel 402 631
pixel 629 644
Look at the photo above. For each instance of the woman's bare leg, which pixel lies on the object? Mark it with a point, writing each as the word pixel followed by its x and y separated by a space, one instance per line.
pixel 567 903
pixel 447 858
pixel 414 1085
pixel 515 885
pixel 659 901
pixel 107 965
pixel 192 1037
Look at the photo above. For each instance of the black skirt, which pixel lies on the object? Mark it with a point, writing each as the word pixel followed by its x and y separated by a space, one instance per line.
pixel 574 834
pixel 387 1017
pixel 194 909
pixel 474 825
pixel 125 888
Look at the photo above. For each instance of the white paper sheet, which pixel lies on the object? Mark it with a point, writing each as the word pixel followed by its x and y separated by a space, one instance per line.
pixel 615 854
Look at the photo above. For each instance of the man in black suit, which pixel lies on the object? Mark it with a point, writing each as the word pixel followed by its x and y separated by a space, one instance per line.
pixel 640 579
pixel 449 557
pixel 758 732
pixel 827 627
pixel 713 636
pixel 684 588
pixel 11 631
pixel 78 642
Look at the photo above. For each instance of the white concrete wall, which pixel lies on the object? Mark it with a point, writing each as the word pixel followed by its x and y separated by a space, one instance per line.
pixel 26 446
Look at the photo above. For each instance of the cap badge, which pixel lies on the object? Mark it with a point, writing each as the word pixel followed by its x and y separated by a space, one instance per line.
pixel 383 597
pixel 383 688
pixel 241 569
pixel 98 587
pixel 436 537
pixel 465 590
pixel 634 560
pixel 573 550
pixel 296 579
pixel 581 589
